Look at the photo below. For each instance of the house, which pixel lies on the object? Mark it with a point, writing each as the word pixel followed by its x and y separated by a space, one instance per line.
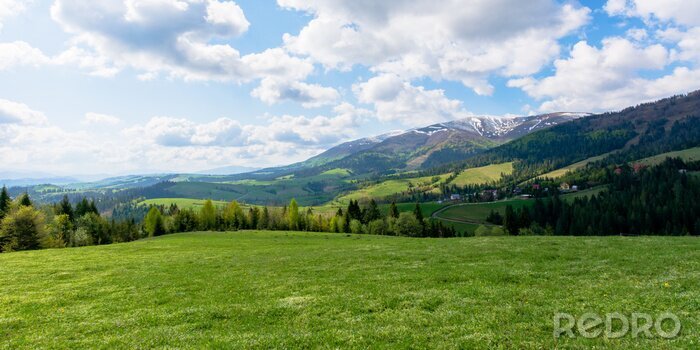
pixel 565 186
pixel 574 188
pixel 489 195
pixel 536 186
pixel 455 197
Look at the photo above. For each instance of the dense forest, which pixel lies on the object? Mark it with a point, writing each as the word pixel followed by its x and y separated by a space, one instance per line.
pixel 661 200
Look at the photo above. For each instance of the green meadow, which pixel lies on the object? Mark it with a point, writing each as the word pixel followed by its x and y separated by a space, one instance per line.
pixel 302 290
pixel 482 175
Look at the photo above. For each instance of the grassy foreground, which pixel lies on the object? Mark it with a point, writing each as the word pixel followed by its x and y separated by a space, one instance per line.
pixel 303 290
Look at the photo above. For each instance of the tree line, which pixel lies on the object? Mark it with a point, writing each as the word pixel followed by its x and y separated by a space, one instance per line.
pixel 660 200
pixel 26 226
pixel 356 219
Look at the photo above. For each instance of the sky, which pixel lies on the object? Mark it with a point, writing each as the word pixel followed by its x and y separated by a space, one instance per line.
pixel 149 86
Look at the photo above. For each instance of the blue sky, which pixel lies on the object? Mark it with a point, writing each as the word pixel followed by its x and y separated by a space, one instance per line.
pixel 138 86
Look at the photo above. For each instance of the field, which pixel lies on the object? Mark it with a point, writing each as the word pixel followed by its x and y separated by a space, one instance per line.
pixel 182 203
pixel 477 212
pixel 691 154
pixel 562 171
pixel 301 290
pixel 390 187
pixel 426 208
pixel 482 175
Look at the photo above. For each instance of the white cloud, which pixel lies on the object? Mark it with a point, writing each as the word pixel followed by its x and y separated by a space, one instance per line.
pixel 18 113
pixel 606 78
pixel 682 12
pixel 97 118
pixel 177 38
pixel 453 41
pixel 19 53
pixel 273 91
pixel 11 8
pixel 397 100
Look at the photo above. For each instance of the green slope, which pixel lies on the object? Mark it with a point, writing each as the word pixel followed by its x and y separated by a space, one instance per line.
pixel 688 155
pixel 296 290
pixel 482 175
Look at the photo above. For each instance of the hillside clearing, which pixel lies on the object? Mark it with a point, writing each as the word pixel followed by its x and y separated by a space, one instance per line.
pixel 300 290
pixel 688 155
pixel 482 175
pixel 182 203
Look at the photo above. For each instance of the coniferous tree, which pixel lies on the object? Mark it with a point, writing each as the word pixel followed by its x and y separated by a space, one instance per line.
pixel 153 223
pixel 25 201
pixel 4 202
pixel 393 210
pixel 65 207
pixel 372 213
pixel 511 221
pixel 293 215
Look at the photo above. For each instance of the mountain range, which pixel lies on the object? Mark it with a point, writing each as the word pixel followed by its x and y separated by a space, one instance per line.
pixel 428 146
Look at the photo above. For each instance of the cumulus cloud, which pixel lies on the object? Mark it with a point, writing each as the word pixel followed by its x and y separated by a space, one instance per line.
pixel 397 100
pixel 177 38
pixel 649 64
pixel 20 53
pixel 28 141
pixel 97 118
pixel 681 12
pixel 451 41
pixel 273 91
pixel 18 113
pixel 11 8
pixel 604 78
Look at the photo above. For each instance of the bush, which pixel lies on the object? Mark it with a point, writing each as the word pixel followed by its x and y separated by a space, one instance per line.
pixel 485 231
pixel 378 227
pixel 22 229
pixel 80 238
pixel 356 226
pixel 408 225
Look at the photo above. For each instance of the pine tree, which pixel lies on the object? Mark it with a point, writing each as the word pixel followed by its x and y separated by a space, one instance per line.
pixel 65 207
pixel 511 221
pixel 372 213
pixel 153 223
pixel 293 215
pixel 4 202
pixel 393 210
pixel 25 201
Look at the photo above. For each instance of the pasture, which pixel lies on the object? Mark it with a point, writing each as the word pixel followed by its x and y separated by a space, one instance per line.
pixel 303 290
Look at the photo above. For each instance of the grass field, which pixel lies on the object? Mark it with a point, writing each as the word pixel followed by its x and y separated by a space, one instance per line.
pixel 391 187
pixel 482 175
pixel 691 154
pixel 562 171
pixel 301 290
pixel 426 208
pixel 477 212
pixel 182 203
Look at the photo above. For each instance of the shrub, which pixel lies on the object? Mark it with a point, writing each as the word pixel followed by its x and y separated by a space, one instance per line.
pixel 80 238
pixel 22 229
pixel 356 226
pixel 408 225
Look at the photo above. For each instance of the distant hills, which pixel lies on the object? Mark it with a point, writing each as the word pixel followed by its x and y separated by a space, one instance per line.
pixel 427 160
pixel 426 147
